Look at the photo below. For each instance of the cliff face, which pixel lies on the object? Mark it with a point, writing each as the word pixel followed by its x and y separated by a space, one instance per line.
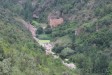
pixel 53 22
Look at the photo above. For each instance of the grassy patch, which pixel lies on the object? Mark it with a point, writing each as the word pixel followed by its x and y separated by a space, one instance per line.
pixel 44 41
pixel 35 23
pixel 44 37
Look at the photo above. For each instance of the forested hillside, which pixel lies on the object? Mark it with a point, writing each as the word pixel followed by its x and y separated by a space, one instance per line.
pixel 80 30
pixel 20 54
pixel 85 37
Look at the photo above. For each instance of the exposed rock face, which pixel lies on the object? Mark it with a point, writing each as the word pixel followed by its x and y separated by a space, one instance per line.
pixel 35 16
pixel 55 22
pixel 55 19
pixel 69 65
pixel 32 30
pixel 30 27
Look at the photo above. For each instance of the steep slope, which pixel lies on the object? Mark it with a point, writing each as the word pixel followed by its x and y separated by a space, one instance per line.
pixel 20 54
pixel 85 37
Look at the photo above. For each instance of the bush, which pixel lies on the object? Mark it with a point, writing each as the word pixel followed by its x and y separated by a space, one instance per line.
pixel 39 30
pixel 58 49
pixel 1 54
pixel 66 51
pixel 110 68
pixel 48 31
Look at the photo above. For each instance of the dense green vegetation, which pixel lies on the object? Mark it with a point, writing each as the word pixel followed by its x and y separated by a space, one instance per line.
pixel 19 53
pixel 91 49
pixel 85 38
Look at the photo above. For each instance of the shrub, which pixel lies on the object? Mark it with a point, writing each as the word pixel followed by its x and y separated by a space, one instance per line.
pixel 48 31
pixel 58 49
pixel 39 30
pixel 66 51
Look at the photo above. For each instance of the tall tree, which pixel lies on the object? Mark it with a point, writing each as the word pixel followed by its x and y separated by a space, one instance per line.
pixel 27 11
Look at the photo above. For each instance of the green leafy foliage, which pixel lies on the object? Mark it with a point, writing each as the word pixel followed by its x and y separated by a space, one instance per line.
pixel 92 46
pixel 66 51
pixel 39 30
pixel 20 54
pixel 85 38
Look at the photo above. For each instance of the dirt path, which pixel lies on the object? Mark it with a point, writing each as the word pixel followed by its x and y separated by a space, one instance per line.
pixel 48 46
pixel 30 27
